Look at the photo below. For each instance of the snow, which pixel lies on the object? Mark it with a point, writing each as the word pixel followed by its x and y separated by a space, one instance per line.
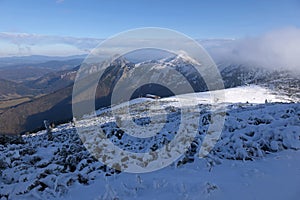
pixel 252 94
pixel 256 157
pixel 275 177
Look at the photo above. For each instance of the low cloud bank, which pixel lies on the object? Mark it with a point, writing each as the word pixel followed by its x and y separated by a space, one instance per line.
pixel 19 44
pixel 279 49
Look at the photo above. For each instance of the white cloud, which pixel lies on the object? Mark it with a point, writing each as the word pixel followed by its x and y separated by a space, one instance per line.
pixel 28 44
pixel 279 49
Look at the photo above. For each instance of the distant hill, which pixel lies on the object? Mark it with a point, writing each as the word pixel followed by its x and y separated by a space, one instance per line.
pixel 10 89
pixel 35 59
pixel 32 71
pixel 30 115
pixel 57 106
pixel 53 81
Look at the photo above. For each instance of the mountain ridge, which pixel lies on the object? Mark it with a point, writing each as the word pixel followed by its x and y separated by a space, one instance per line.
pixel 233 76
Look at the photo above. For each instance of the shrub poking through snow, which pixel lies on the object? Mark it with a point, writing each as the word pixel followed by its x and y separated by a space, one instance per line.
pixel 38 167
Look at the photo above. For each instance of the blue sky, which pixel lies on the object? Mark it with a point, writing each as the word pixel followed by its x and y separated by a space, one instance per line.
pixel 101 19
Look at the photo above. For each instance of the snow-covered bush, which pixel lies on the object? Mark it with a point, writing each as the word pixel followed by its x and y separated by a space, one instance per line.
pixel 251 132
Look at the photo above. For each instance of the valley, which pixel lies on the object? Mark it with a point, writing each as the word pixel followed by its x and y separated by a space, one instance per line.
pixel 36 77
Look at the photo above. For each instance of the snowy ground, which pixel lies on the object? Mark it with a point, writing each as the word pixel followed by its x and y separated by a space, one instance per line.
pixel 275 177
pixel 256 157
pixel 251 94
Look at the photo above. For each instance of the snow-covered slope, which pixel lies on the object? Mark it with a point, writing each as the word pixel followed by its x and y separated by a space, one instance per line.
pixel 275 177
pixel 280 80
pixel 244 94
pixel 258 151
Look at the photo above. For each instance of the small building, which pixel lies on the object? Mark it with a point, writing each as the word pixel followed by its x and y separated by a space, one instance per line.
pixel 152 96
